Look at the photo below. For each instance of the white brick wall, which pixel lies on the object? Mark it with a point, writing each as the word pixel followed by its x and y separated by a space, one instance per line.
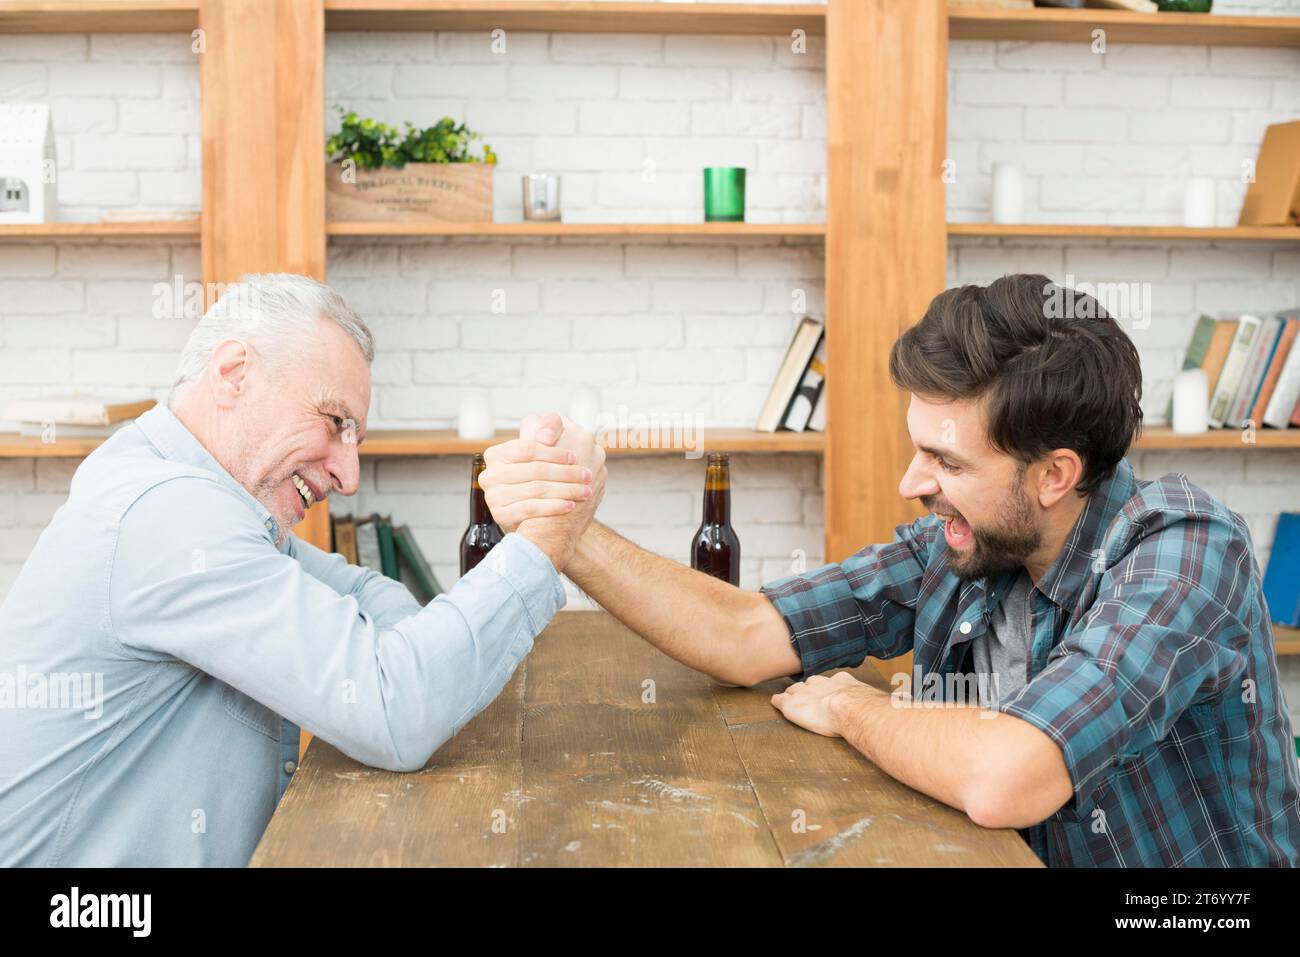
pixel 1113 139
pixel 126 116
pixel 698 327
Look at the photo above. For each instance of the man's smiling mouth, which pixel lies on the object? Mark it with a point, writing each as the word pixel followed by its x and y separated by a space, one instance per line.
pixel 304 490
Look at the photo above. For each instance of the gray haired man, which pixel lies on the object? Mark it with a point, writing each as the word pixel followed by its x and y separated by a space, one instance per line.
pixel 171 581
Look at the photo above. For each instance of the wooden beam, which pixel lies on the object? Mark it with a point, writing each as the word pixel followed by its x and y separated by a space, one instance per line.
pixel 886 245
pixel 1048 25
pixel 577 16
pixel 262 81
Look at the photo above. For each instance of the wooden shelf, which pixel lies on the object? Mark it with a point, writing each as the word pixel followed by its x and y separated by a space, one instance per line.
pixel 394 442
pixel 721 230
pixel 1163 437
pixel 98 16
pixel 160 229
pixel 1122 26
pixel 1261 234
pixel 576 16
pixel 1286 640
pixel 384 443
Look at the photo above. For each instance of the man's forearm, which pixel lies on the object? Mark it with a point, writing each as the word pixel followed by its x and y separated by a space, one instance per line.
pixel 999 769
pixel 732 635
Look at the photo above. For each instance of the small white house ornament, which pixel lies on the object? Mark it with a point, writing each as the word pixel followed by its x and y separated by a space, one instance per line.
pixel 27 163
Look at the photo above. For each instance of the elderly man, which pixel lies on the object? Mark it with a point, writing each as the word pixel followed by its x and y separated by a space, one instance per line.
pixel 171 577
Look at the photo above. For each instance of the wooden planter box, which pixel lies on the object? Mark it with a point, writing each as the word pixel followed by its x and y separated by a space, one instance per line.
pixel 417 193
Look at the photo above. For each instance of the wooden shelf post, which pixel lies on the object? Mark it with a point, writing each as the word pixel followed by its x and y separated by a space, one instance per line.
pixel 886 245
pixel 262 79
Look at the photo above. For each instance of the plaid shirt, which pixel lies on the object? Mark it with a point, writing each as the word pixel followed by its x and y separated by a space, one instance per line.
pixel 1151 664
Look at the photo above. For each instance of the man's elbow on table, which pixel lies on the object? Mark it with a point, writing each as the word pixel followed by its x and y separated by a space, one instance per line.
pixel 1025 782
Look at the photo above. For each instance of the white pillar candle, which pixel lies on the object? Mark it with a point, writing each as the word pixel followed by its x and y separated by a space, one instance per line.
pixel 1008 193
pixel 1191 402
pixel 1198 203
pixel 584 407
pixel 474 420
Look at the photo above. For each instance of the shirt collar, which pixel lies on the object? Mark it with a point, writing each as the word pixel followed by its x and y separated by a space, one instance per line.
pixel 177 443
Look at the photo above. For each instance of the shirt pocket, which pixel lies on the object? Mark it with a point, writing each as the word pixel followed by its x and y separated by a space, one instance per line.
pixel 250 713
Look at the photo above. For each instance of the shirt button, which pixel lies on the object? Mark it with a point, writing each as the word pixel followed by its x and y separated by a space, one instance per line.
pixel 290 767
pixel 965 628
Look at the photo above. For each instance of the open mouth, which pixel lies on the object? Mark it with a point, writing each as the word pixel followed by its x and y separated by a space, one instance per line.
pixel 956 530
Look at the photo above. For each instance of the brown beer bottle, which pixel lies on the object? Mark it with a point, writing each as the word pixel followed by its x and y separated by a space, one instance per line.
pixel 482 533
pixel 715 550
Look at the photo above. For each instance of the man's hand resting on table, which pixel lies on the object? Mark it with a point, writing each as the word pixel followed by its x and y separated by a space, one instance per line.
pixel 546 490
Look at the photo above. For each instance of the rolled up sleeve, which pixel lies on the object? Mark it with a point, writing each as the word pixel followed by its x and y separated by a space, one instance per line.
pixel 842 612
pixel 1146 651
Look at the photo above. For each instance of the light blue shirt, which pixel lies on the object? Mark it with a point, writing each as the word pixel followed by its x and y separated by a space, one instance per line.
pixel 158 653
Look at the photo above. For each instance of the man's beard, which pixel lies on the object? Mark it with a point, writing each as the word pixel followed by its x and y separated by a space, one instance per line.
pixel 1002 549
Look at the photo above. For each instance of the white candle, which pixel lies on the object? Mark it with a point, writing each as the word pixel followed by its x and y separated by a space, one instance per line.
pixel 474 420
pixel 1191 402
pixel 584 408
pixel 1198 203
pixel 1008 193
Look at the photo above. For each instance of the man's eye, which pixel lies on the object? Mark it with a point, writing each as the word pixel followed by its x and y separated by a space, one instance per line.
pixel 338 422
pixel 946 466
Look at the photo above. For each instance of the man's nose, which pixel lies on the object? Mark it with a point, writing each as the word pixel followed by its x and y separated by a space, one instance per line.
pixel 344 469
pixel 917 480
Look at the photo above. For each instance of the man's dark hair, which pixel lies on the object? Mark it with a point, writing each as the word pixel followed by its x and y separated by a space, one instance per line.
pixel 1058 371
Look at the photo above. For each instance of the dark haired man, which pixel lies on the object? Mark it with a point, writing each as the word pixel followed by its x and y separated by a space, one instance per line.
pixel 1116 627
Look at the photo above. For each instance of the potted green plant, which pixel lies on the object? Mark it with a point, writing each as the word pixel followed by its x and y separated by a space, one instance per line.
pixel 381 173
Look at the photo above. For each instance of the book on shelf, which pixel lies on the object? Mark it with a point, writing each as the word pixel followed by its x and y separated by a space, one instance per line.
pixel 362 542
pixel 1257 363
pixel 1282 579
pixel 790 374
pixel 1283 407
pixel 1273 198
pixel 1253 374
pixel 1272 374
pixel 416 573
pixel 368 545
pixel 1234 367
pixel 345 537
pixel 817 423
pixel 809 391
pixel 76 408
pixel 387 550
pixel 61 431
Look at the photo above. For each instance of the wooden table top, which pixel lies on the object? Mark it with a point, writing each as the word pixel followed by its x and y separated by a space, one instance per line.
pixel 582 762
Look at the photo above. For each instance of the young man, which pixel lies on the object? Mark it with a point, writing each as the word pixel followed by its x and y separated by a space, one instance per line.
pixel 1116 627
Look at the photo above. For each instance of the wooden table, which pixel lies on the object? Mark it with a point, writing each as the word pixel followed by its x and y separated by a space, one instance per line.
pixel 602 751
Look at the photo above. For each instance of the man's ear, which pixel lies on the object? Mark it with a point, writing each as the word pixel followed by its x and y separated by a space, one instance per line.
pixel 1062 471
pixel 228 370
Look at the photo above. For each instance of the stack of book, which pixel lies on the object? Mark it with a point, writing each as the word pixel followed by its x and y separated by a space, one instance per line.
pixel 1253 369
pixel 797 400
pixel 76 415
pixel 374 543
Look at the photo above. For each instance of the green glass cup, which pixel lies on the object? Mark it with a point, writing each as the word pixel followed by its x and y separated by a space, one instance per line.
pixel 724 194
pixel 1184 6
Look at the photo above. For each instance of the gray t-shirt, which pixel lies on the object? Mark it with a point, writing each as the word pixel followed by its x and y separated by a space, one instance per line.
pixel 1004 649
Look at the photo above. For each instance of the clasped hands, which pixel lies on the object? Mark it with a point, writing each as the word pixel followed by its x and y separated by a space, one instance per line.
pixel 546 484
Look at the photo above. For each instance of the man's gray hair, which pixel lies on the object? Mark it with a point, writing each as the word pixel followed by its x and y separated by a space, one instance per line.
pixel 274 310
